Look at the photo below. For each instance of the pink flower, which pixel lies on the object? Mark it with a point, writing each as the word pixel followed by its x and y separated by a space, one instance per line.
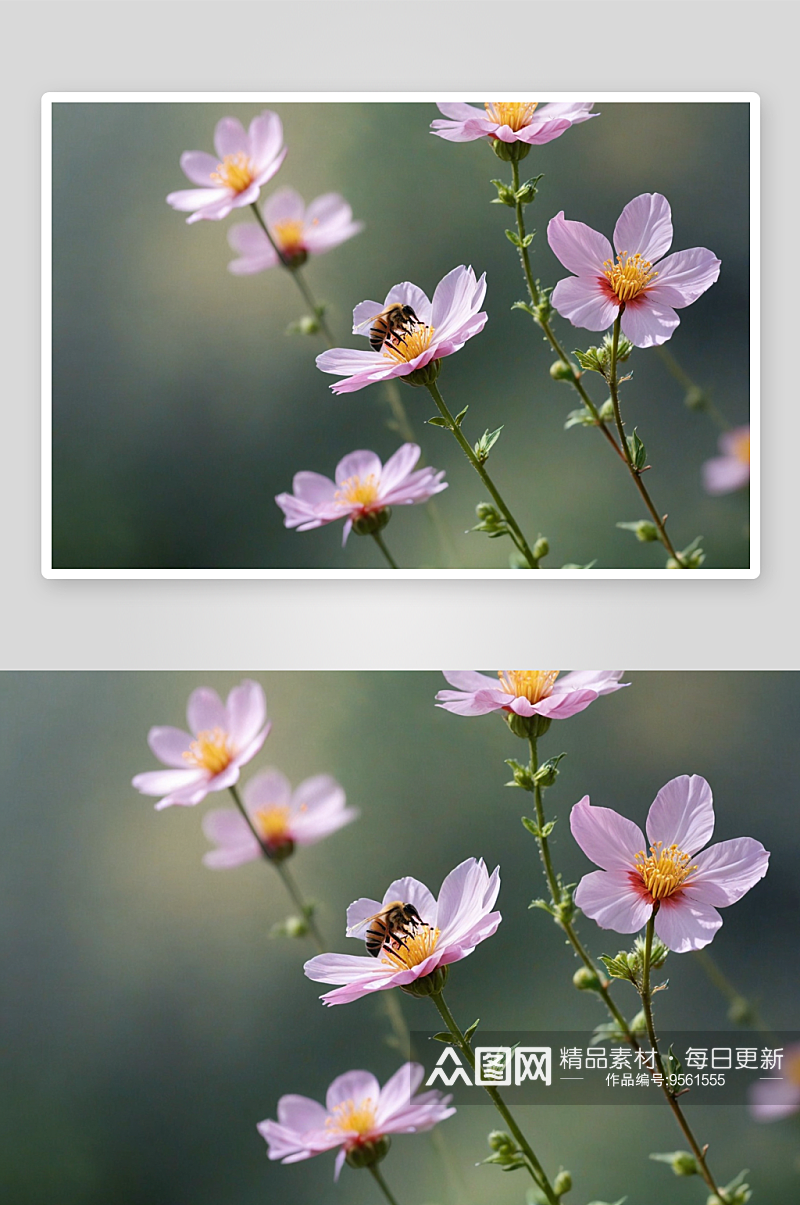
pixel 225 739
pixel 684 887
pixel 315 810
pixel 298 232
pixel 448 930
pixel 437 329
pixel 233 177
pixel 527 692
pixel 362 486
pixel 357 1112
pixel 771 1100
pixel 731 471
pixel 646 295
pixel 510 121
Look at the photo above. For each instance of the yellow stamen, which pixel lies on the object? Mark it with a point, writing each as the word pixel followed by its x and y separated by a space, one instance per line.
pixel 410 949
pixel 515 114
pixel 629 276
pixel 357 491
pixel 741 447
pixel 531 684
pixel 664 871
pixel 235 171
pixel 405 346
pixel 211 751
pixel 349 1116
pixel 289 236
pixel 273 823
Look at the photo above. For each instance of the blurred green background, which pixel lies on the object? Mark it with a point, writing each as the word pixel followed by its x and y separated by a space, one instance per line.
pixel 181 407
pixel 150 1020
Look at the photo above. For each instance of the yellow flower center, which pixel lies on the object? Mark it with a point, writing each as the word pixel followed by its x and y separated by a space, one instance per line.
pixel 665 870
pixel 211 751
pixel 629 276
pixel 289 236
pixel 410 949
pixel 531 684
pixel 741 447
pixel 235 172
pixel 407 345
pixel 516 114
pixel 273 823
pixel 348 1116
pixel 357 491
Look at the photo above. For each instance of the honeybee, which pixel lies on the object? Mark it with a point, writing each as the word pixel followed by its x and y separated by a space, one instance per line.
pixel 394 921
pixel 392 323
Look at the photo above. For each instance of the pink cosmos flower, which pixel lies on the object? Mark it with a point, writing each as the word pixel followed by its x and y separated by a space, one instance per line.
pixel 527 692
pixel 362 486
pixel 771 1100
pixel 730 471
pixel 510 121
pixel 357 1111
pixel 233 177
pixel 647 292
pixel 450 929
pixel 684 887
pixel 226 737
pixel 438 329
pixel 315 810
pixel 298 232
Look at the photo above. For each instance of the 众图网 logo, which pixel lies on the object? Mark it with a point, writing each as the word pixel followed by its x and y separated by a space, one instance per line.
pixel 495 1066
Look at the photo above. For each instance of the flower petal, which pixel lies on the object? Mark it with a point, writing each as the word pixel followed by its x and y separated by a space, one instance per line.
pixel 360 464
pixel 579 248
pixel 205 711
pixel 285 205
pixel 165 782
pixel 230 138
pixel 268 788
pixel 610 840
pixel 602 681
pixel 724 474
pixel 682 814
pixel 197 166
pixel 397 1092
pixel 771 1101
pixel 169 746
pixel 469 680
pixel 353 1086
pixel 411 891
pixel 300 1113
pixel 684 924
pixel 341 968
pixel 726 871
pixel 645 225
pixel 648 323
pixel 265 138
pixel 246 711
pixel 407 293
pixel 684 276
pixel 585 303
pixel 398 467
pixel 609 898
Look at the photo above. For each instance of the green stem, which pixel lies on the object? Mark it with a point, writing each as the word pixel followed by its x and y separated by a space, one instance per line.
pixel 696 398
pixel 378 538
pixel 562 921
pixel 634 472
pixel 379 1180
pixel 295 273
pixel 742 1010
pixel 469 452
pixel 534 1166
pixel 283 871
pixel 646 994
pixel 533 291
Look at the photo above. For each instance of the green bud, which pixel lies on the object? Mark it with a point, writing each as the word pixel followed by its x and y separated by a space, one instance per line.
pixel 367 1154
pixel 644 530
pixel 485 510
pixel 562 1183
pixel 499 1141
pixel 428 985
pixel 560 371
pixel 741 1012
pixel 696 399
pixel 585 980
pixel 376 520
pixel 607 410
pixel 682 1162
pixel 295 926
pixel 510 151
pixel 527 726
pixel 547 773
pixel 540 548
pixel 423 376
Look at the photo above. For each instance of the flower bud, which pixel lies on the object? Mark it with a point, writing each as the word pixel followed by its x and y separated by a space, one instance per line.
pixel 560 371
pixel 527 726
pixel 485 510
pixel 280 852
pixel 540 548
pixel 585 980
pixel 295 926
pixel 376 520
pixel 292 262
pixel 425 375
pixel 510 151
pixel 696 399
pixel 427 985
pixel 367 1154
pixel 562 1183
pixel 499 1141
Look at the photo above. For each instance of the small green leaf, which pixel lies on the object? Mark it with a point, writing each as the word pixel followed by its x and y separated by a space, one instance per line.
pixel 514 238
pixel 590 565
pixel 469 1032
pixel 460 416
pixel 531 826
pixel 524 305
pixel 580 417
pixel 637 451
pixel 544 905
pixel 438 421
pixel 444 1036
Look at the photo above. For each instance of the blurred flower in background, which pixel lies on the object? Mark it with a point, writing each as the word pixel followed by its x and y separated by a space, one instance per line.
pixel 248 160
pixel 298 231
pixel 730 471
pixel 282 818
pixel 773 1099
pixel 510 121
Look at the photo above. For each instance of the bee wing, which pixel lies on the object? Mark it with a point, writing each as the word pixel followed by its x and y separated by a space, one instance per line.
pixel 365 313
pixel 359 914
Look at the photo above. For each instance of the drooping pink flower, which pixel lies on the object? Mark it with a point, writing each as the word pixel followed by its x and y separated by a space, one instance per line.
pixel 437 330
pixel 357 1112
pixel 730 471
pixel 773 1099
pixel 222 739
pixel 645 287
pixel 233 177
pixel 684 886
pixel 362 486
pixel 282 818
pixel 450 929
pixel 510 121
pixel 527 692
pixel 297 230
